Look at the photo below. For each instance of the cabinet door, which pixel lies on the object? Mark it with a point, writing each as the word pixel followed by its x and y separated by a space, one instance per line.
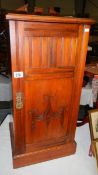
pixel 46 54
pixel 49 59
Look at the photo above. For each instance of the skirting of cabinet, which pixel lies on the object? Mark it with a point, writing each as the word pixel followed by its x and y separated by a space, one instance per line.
pixel 29 158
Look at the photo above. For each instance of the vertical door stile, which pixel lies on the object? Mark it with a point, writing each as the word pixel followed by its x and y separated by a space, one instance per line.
pixel 20 113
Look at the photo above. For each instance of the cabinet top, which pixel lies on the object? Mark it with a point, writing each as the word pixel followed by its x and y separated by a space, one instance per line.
pixel 54 19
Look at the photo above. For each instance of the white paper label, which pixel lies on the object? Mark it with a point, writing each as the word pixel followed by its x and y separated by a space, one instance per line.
pixel 86 30
pixel 18 74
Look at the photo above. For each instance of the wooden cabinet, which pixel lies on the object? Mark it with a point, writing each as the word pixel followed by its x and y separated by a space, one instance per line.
pixel 48 58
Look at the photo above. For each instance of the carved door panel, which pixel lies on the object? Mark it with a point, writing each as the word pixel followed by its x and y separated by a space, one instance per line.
pixel 47 105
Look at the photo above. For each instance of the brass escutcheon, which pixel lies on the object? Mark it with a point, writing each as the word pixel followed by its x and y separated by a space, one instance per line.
pixel 19 100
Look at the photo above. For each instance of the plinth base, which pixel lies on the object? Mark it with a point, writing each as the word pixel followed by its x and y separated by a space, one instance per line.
pixel 54 152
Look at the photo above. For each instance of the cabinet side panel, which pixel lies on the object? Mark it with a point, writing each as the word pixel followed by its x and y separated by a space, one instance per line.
pixel 82 45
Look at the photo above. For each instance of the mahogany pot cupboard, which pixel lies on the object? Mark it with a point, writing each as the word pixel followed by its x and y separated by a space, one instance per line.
pixel 48 58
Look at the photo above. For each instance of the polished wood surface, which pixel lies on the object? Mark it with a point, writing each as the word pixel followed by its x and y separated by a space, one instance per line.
pixel 54 19
pixel 51 53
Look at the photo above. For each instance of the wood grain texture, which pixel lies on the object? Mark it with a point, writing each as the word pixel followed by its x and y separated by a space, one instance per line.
pixel 51 53
pixel 53 19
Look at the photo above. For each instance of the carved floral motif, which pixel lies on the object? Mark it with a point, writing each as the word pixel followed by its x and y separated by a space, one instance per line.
pixel 48 113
